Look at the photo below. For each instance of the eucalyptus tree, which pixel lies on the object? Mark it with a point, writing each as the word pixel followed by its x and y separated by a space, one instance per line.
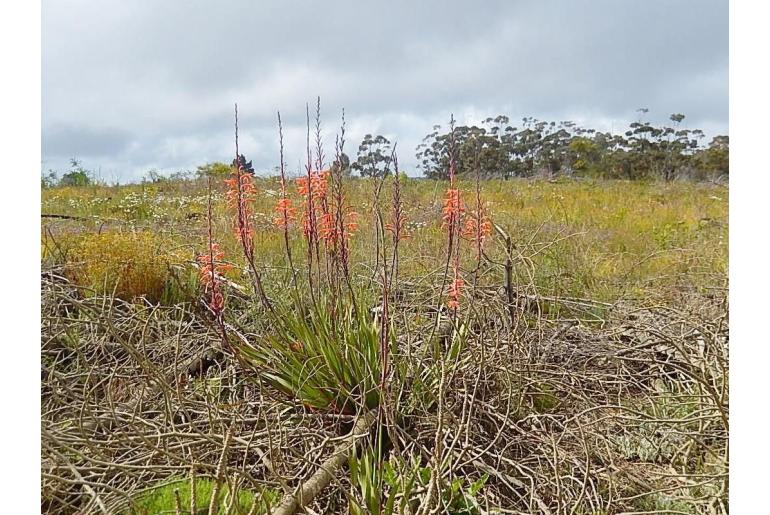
pixel 373 159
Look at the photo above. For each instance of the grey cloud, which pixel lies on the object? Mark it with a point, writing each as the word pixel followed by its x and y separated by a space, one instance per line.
pixel 167 73
pixel 75 140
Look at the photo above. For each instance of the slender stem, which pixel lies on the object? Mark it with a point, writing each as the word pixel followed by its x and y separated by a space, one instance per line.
pixel 284 212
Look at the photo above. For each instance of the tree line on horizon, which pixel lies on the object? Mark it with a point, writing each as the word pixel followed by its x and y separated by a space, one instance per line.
pixel 498 149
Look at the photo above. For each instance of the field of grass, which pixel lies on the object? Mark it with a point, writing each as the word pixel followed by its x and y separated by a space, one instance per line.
pixel 605 240
pixel 585 371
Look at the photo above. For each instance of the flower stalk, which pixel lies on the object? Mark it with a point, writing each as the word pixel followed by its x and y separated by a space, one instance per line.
pixel 240 196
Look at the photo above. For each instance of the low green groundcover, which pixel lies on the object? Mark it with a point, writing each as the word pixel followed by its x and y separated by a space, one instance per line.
pixel 160 499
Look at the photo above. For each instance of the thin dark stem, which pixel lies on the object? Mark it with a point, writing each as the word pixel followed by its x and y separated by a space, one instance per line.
pixel 284 212
pixel 310 220
pixel 244 224
pixel 219 315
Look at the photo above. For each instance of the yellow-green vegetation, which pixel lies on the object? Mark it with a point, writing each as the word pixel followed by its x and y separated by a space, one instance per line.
pixel 160 499
pixel 604 240
pixel 129 264
pixel 611 239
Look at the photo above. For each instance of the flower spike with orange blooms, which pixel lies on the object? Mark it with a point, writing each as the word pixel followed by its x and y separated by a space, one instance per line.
pixel 313 189
pixel 477 228
pixel 286 213
pixel 240 195
pixel 212 270
pixel 453 295
pixel 453 207
pixel 452 213
pixel 332 231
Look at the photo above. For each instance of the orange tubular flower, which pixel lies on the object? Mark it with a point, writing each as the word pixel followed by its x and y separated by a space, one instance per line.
pixel 329 230
pixel 398 230
pixel 302 186
pixel 320 183
pixel 315 190
pixel 477 229
pixel 453 207
pixel 286 213
pixel 240 196
pixel 212 269
pixel 455 288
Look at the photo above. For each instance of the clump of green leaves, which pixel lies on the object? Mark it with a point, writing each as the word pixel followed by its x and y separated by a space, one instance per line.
pixel 326 355
pixel 392 486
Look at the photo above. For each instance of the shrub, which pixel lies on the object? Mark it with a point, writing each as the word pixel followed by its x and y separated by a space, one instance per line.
pixel 75 178
pixel 77 175
pixel 130 264
pixel 216 170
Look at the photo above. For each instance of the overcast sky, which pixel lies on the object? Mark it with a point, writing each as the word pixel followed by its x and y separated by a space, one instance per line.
pixel 130 86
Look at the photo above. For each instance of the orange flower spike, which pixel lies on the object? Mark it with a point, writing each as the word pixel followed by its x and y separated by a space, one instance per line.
pixel 352 224
pixel 286 213
pixel 452 205
pixel 319 182
pixel 206 264
pixel 475 231
pixel 326 227
pixel 302 186
pixel 469 229
pixel 486 229
pixel 247 185
pixel 454 293
pixel 232 191
pixel 284 208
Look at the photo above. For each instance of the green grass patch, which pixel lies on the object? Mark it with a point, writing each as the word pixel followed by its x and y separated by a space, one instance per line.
pixel 160 499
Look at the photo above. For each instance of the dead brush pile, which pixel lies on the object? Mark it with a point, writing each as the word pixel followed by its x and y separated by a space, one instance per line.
pixel 554 418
